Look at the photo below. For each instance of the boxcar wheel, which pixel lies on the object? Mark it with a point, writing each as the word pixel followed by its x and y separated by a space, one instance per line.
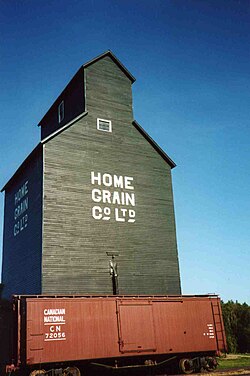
pixel 71 371
pixel 211 364
pixel 185 366
pixel 37 372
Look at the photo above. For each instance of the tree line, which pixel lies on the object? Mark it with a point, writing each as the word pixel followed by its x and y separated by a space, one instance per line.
pixel 236 319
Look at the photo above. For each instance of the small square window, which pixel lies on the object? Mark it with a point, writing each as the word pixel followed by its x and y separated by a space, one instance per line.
pixel 61 112
pixel 104 125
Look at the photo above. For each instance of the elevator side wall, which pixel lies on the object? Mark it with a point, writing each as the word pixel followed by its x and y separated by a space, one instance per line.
pixel 22 241
pixel 78 230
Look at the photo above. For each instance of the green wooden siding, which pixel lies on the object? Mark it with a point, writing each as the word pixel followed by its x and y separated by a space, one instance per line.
pixel 74 256
pixel 22 242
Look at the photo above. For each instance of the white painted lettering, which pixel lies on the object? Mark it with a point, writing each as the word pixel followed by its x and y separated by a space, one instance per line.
pixel 20 225
pixel 124 211
pixel 107 180
pixel 130 198
pixel 127 182
pixel 118 181
pixel 54 311
pixel 106 197
pixel 116 198
pixel 123 198
pixel 95 178
pixel 110 197
pixel 53 332
pixel 106 212
pixel 96 195
pixel 97 212
pixel 117 217
pixel 131 214
pixel 22 205
pixel 21 208
pixel 23 191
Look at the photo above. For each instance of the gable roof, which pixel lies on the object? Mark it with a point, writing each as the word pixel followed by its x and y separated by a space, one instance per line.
pixel 154 144
pixel 58 99
pixel 99 57
pixel 136 125
pixel 116 61
pixel 39 147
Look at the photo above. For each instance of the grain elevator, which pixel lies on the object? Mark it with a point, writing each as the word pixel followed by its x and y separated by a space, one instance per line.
pixel 95 194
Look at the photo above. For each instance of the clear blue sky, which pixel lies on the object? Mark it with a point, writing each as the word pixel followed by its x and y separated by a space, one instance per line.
pixel 191 60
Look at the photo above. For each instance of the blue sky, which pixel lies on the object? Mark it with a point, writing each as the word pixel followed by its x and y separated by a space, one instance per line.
pixel 191 60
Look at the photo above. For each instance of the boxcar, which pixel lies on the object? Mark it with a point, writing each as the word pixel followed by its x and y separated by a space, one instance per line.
pixel 65 334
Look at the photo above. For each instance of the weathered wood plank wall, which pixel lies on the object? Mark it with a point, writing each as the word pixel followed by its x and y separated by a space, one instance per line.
pixel 22 242
pixel 74 243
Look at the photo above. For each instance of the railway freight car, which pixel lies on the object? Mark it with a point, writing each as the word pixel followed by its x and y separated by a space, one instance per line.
pixel 95 192
pixel 68 334
pixel 5 330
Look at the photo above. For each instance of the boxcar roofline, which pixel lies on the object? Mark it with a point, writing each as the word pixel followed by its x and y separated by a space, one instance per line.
pixel 68 296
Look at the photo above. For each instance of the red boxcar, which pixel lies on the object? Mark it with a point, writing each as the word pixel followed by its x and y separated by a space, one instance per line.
pixel 56 332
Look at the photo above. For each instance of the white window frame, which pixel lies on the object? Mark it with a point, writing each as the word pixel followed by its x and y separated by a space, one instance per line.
pixel 60 118
pixel 107 121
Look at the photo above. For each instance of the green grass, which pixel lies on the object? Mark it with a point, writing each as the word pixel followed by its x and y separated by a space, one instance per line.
pixel 234 361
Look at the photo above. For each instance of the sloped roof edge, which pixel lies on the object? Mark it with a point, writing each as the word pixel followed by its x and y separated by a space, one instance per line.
pixel 56 100
pixel 136 125
pixel 60 130
pixel 22 165
pixel 115 59
pixel 99 57
pixel 154 144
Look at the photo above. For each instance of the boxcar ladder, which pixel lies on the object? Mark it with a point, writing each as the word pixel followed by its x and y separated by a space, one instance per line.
pixel 218 323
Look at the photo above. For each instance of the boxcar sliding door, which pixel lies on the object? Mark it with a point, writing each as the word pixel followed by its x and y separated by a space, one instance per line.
pixel 136 326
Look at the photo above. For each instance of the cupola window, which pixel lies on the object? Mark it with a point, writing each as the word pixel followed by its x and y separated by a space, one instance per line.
pixel 61 112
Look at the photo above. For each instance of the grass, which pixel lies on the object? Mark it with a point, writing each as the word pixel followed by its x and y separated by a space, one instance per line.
pixel 234 361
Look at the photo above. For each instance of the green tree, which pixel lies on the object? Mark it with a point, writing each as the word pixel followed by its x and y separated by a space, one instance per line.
pixel 236 318
pixel 243 334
